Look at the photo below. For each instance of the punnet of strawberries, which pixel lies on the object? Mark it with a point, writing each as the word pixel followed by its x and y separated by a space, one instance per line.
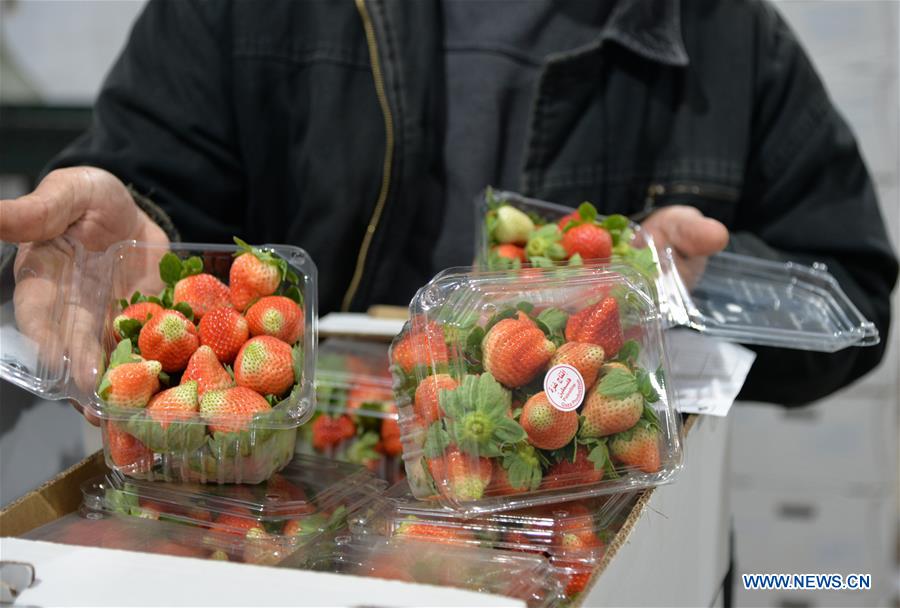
pixel 520 386
pixel 205 379
pixel 518 232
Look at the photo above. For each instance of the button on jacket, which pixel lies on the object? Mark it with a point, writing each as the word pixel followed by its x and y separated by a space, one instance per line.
pixel 320 123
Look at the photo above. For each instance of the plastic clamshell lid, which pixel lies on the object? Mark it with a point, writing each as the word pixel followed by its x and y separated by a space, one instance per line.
pixel 757 301
pixel 740 298
pixel 527 577
pixel 352 376
pixel 535 529
pixel 307 487
pixel 491 332
pixel 66 358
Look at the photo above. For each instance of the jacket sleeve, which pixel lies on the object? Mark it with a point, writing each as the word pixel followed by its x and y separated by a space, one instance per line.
pixel 809 198
pixel 163 122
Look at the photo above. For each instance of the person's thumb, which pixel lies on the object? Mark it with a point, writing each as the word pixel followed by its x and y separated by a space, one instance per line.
pixel 693 234
pixel 57 202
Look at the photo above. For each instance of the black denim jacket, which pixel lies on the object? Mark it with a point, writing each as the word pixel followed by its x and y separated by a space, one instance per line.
pixel 320 123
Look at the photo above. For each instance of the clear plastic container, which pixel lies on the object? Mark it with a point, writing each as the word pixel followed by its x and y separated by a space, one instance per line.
pixel 738 297
pixel 263 523
pixel 526 577
pixel 509 383
pixel 572 535
pixel 356 419
pixel 67 358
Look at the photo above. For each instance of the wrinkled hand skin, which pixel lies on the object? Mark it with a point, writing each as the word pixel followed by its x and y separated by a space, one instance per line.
pixel 692 237
pixel 90 206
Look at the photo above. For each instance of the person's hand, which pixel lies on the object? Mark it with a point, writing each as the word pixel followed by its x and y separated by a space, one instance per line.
pixel 87 205
pixel 692 236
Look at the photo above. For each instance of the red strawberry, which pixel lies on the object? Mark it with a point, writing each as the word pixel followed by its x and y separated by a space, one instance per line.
pixel 515 350
pixel 390 437
pixel 575 216
pixel 565 474
pixel 204 368
pixel 414 528
pixel 203 292
pixel 511 252
pixel 460 476
pixel 254 274
pixel 427 398
pixel 276 316
pixel 421 344
pixel 590 241
pixel 500 485
pixel 605 415
pixel 360 395
pixel 125 450
pixel 140 311
pixel 232 409
pixel 576 574
pixel 280 488
pixel 176 403
pixel 547 427
pixel 586 358
pixel 224 330
pixel 170 339
pixel 637 447
pixel 598 324
pixel 239 525
pixel 130 384
pixel 266 365
pixel 328 431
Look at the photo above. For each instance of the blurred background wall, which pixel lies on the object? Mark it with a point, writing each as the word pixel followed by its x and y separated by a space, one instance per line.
pixel 814 490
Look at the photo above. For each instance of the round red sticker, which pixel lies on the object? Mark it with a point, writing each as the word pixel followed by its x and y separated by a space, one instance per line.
pixel 564 387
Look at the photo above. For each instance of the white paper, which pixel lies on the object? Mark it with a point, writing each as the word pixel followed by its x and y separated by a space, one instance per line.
pixel 358 324
pixel 67 575
pixel 706 373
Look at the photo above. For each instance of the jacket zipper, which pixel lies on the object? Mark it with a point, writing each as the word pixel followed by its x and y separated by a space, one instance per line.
pixel 708 191
pixel 378 76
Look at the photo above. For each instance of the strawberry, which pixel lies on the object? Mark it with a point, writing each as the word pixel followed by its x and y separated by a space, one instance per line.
pixel 548 428
pixel 566 473
pixel 427 399
pixel 421 344
pixel 280 488
pixel 204 368
pixel 176 403
pixel 125 450
pixel 390 438
pixel 589 241
pixel 328 431
pixel 130 385
pixel 575 216
pixel 515 350
pixel 266 365
pixel 604 415
pixel 576 574
pixel 586 358
pixel 231 410
pixel 637 447
pixel 170 339
pixel 238 525
pixel 202 292
pixel 511 252
pixel 501 486
pixel 276 316
pixel 365 397
pixel 415 528
pixel 254 274
pixel 512 225
pixel 460 476
pixel 139 311
pixel 598 324
pixel 224 330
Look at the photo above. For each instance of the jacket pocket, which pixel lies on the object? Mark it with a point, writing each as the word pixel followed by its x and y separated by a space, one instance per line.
pixel 713 200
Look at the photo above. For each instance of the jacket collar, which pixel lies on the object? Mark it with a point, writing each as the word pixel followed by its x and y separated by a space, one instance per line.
pixel 650 28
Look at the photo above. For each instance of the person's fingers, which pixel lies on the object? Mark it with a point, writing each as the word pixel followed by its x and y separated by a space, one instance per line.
pixel 57 202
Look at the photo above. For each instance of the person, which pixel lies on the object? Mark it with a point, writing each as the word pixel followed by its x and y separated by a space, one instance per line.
pixel 362 130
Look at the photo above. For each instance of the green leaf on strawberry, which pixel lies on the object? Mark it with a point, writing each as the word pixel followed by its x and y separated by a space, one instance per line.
pixel 576 260
pixel 123 303
pixel 628 353
pixel 363 449
pixel 599 455
pixel 436 440
pixel 297 362
pixel 136 297
pixel 525 307
pixel 185 309
pixel 648 414
pixel 170 268
pixel 129 328
pixel 618 384
pixel 645 386
pixel 587 212
pixel 661 376
pixel 478 416
pixel 545 243
pixel 293 292
pixel 523 466
pixel 539 261
pixel 554 320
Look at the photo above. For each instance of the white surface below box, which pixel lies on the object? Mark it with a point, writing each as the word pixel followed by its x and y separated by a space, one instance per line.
pixel 67 575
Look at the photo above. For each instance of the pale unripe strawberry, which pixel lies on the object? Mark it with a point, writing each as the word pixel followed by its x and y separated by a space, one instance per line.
pixel 585 357
pixel 513 225
pixel 637 447
pixel 607 415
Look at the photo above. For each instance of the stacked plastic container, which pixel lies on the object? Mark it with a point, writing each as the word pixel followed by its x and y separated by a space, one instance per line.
pixel 282 522
pixel 572 536
pixel 356 419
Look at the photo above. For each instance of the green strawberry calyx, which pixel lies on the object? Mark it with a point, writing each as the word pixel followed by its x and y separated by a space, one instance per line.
pixel 523 466
pixel 363 449
pixel 477 416
pixel 545 243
